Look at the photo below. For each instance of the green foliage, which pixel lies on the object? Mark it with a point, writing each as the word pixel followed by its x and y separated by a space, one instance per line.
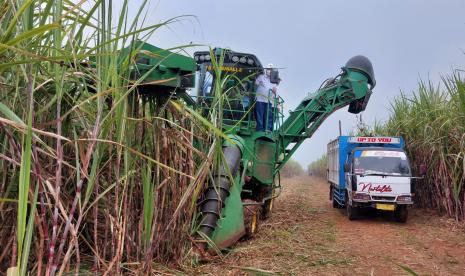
pixel 92 173
pixel 318 167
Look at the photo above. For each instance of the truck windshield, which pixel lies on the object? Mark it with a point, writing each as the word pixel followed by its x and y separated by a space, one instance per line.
pixel 370 162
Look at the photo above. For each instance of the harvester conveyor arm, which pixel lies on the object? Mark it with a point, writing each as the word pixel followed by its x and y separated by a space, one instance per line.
pixel 352 87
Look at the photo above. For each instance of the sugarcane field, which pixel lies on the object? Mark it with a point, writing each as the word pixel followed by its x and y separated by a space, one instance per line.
pixel 156 137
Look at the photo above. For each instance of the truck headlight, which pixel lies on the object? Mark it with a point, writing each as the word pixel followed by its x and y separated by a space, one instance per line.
pixel 361 196
pixel 404 198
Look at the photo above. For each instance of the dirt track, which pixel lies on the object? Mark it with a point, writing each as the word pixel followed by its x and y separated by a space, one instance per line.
pixel 306 236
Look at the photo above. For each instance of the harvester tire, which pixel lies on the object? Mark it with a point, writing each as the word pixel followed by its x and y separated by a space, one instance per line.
pixel 251 217
pixel 401 214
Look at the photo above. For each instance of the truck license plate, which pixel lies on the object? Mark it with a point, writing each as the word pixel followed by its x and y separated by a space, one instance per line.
pixel 387 207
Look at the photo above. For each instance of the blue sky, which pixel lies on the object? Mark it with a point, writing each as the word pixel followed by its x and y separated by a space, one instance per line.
pixel 405 39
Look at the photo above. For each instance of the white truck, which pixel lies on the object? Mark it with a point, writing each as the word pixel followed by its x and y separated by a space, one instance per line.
pixel 369 172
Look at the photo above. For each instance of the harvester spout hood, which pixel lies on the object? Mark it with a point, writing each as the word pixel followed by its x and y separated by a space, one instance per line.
pixel 362 64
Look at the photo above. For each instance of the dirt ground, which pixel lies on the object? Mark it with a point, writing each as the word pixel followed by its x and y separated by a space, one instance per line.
pixel 306 236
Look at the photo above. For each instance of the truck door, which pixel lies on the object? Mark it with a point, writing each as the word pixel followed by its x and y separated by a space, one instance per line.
pixel 348 175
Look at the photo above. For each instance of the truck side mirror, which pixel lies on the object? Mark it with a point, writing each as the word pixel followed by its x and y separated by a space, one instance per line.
pixel 346 167
pixel 422 169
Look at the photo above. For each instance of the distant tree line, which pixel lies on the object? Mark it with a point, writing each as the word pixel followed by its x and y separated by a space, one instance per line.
pixel 318 167
pixel 292 168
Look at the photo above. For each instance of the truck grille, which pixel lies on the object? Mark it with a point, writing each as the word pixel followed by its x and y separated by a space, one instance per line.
pixel 384 198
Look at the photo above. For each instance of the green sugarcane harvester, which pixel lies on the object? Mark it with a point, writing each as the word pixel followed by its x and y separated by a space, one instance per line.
pixel 242 190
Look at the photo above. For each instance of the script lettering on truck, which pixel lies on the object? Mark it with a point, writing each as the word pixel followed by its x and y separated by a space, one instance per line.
pixel 368 187
pixel 374 140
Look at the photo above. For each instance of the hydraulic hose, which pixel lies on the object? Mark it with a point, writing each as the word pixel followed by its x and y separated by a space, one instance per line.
pixel 218 190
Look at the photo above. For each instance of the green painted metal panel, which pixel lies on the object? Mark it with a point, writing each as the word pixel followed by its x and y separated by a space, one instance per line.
pixel 167 59
pixel 265 155
pixel 171 69
pixel 231 226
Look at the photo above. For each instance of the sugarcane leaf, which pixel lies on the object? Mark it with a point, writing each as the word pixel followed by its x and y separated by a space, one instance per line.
pixel 24 181
pixel 29 231
pixel 10 114
pixel 14 22
pixel 408 270
pixel 29 34
pixel 256 271
pixel 204 121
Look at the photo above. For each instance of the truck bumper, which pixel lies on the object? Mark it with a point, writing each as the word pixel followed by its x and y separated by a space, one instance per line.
pixel 381 202
pixel 380 205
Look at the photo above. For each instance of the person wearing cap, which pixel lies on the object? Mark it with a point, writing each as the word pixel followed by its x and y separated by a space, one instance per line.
pixel 265 94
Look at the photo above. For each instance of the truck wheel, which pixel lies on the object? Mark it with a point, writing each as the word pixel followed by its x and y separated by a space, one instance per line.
pixel 352 212
pixel 336 204
pixel 331 197
pixel 401 214
pixel 251 213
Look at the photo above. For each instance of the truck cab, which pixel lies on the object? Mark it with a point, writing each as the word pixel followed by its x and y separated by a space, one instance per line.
pixel 375 173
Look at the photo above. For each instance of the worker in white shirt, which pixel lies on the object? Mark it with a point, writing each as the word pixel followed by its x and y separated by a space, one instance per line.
pixel 265 94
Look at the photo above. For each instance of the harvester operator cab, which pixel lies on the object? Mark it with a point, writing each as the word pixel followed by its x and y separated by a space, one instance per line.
pixel 228 77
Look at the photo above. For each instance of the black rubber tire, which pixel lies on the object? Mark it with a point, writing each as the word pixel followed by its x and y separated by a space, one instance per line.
pixel 267 209
pixel 352 212
pixel 336 204
pixel 401 214
pixel 331 197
